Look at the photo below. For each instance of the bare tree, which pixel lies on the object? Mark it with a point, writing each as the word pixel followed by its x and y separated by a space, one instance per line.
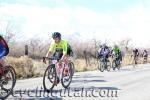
pixel 90 51
pixel 38 47
pixel 96 47
pixel 125 44
pixel 8 32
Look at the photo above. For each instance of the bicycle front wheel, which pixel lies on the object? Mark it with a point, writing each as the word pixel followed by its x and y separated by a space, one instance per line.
pixel 108 66
pixel 49 78
pixel 102 66
pixel 7 82
pixel 118 65
pixel 114 65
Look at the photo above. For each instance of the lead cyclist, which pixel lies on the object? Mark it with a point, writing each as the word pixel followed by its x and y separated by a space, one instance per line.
pixel 62 46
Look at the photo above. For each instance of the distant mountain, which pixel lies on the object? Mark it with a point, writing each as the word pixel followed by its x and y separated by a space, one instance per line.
pixel 73 36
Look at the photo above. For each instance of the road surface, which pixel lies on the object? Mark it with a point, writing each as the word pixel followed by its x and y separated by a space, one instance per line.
pixel 127 84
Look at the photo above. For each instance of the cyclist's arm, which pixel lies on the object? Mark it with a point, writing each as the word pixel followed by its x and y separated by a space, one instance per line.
pixel 63 57
pixel 51 48
pixel 48 54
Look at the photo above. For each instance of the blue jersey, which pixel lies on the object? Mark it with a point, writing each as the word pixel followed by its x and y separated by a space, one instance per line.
pixel 4 50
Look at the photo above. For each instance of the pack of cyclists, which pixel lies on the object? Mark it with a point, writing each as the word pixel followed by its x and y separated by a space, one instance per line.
pixel 117 53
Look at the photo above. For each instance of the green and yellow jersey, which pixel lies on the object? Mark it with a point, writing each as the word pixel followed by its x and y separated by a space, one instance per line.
pixel 116 50
pixel 62 45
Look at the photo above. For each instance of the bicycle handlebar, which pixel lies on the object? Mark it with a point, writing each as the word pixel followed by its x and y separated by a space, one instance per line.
pixel 51 58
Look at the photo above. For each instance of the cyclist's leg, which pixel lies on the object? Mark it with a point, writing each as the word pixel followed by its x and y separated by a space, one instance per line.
pixel 134 60
pixel 107 61
pixel 120 57
pixel 58 67
pixel 2 62
pixel 145 59
pixel 1 70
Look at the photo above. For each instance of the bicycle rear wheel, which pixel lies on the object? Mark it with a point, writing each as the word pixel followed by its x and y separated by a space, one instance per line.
pixel 49 78
pixel 67 78
pixel 7 82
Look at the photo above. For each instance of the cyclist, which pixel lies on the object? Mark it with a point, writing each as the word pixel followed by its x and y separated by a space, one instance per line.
pixel 145 55
pixel 116 51
pixel 104 51
pixel 59 48
pixel 4 50
pixel 135 55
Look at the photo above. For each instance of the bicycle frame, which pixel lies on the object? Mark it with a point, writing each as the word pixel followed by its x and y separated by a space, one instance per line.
pixel 104 64
pixel 56 70
pixel 59 70
pixel 104 60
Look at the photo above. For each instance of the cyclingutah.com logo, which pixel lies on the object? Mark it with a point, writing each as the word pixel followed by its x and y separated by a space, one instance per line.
pixel 70 92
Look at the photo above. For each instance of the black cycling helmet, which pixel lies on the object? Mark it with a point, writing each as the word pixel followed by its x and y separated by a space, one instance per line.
pixel 56 35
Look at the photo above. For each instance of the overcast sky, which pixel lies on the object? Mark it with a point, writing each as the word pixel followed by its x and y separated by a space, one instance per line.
pixel 106 19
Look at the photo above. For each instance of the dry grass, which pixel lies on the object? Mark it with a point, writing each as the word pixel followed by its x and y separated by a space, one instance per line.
pixel 26 67
pixel 127 60
pixel 80 64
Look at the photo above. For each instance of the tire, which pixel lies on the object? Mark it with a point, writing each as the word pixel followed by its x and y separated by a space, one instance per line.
pixel 102 66
pixel 134 62
pixel 9 73
pixel 72 68
pixel 67 78
pixel 113 65
pixel 108 66
pixel 118 65
pixel 14 75
pixel 145 60
pixel 99 64
pixel 49 78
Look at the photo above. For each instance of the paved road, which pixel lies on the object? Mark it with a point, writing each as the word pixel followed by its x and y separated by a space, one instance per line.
pixel 127 84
